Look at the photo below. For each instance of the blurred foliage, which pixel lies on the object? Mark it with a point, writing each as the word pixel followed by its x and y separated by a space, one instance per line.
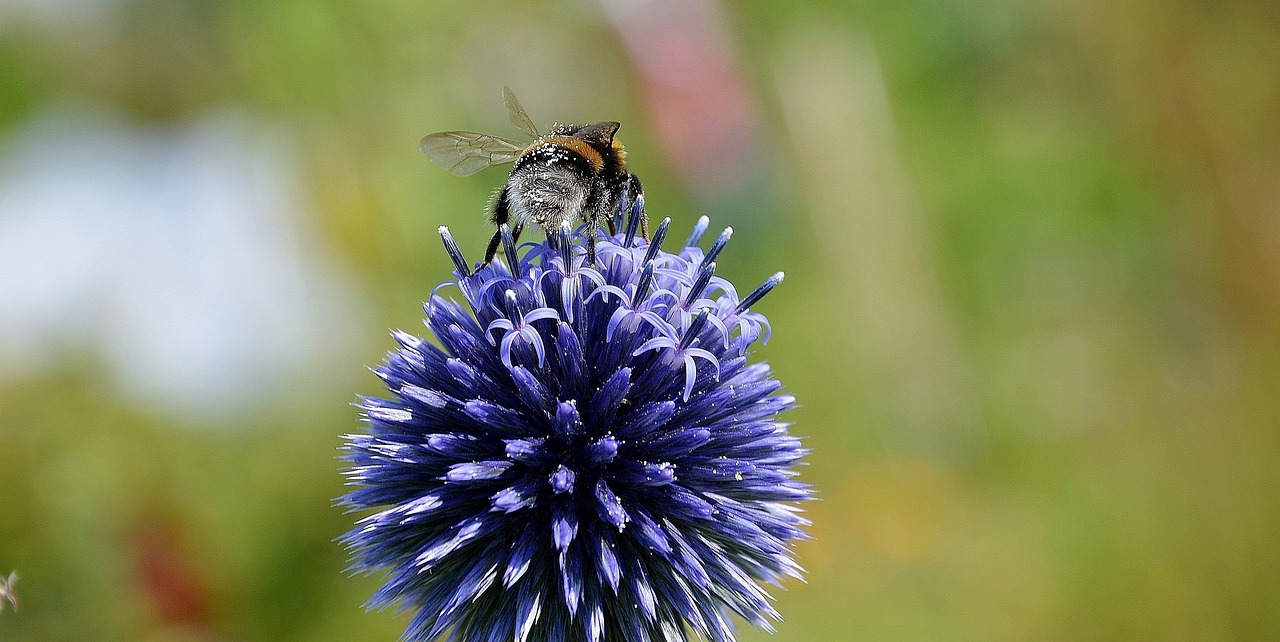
pixel 1038 352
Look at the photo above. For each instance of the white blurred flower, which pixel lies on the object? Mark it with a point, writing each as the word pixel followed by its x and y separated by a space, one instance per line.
pixel 177 254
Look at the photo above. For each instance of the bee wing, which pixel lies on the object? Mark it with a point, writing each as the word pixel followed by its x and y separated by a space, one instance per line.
pixel 465 153
pixel 516 113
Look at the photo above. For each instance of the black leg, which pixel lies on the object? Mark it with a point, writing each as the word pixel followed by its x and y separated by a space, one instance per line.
pixel 591 244
pixel 515 234
pixel 493 248
pixel 500 216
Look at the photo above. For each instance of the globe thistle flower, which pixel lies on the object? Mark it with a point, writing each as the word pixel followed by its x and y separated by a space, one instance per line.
pixel 586 455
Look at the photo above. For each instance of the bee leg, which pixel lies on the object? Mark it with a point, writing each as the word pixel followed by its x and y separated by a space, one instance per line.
pixel 493 248
pixel 499 216
pixel 515 234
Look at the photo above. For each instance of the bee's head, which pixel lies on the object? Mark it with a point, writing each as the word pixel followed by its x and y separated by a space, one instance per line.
pixel 598 135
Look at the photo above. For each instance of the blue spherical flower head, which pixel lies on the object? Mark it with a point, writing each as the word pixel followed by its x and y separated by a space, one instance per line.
pixel 587 454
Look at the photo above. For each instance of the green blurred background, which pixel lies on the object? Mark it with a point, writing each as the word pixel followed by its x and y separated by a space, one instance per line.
pixel 1031 310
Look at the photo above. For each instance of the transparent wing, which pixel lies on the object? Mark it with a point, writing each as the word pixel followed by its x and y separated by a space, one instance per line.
pixel 516 113
pixel 465 153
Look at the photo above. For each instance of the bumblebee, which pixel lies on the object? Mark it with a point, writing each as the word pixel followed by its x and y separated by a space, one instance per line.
pixel 574 172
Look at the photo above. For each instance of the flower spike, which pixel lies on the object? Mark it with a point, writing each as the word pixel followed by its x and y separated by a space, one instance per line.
pixel 694 328
pixel 636 221
pixel 658 237
pixel 633 221
pixel 454 252
pixel 700 283
pixel 718 246
pixel 642 286
pixel 758 293
pixel 620 208
pixel 565 247
pixel 509 248
pixel 699 229
pixel 578 455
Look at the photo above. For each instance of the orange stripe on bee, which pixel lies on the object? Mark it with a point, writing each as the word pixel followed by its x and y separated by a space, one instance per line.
pixel 576 145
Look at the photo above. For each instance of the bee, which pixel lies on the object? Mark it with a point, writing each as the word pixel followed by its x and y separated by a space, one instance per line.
pixel 573 172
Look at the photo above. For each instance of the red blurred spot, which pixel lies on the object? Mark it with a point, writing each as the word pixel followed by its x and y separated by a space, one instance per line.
pixel 693 88
pixel 169 577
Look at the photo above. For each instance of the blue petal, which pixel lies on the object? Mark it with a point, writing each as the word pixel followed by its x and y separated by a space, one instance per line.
pixel 567 420
pixel 564 527
pixel 610 506
pixel 521 557
pixel 509 500
pixel 607 565
pixel 604 404
pixel 603 451
pixel 477 471
pixel 562 479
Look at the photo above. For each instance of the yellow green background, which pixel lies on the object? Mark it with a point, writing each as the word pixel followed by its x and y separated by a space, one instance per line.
pixel 1031 313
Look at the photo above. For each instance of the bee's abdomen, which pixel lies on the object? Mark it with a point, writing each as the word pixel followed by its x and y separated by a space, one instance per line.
pixel 547 195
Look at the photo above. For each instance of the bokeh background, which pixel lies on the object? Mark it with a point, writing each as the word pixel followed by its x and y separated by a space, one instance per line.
pixel 1032 307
